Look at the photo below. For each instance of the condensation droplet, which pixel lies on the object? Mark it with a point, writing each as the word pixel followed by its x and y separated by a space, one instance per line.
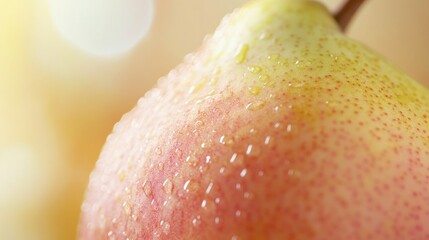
pixel 222 170
pixel 222 139
pixel 191 186
pixel 196 221
pixel 127 208
pixel 161 166
pixel 209 187
pixel 248 195
pixel 217 220
pixel 165 226
pixel 254 106
pixel 241 53
pixel 167 186
pixel 179 153
pixel 238 213
pixel 199 123
pixel 254 69
pixel 254 90
pixel 289 128
pixel 217 200
pixel 147 189
pixel 121 175
pixel 243 173
pixel 156 234
pixel 213 81
pixel 204 203
pixel 252 150
pixel 158 151
pixel 265 35
pixel 263 78
pixel 274 57
pixel 249 149
pixel 267 140
pixel 236 158
pixel 192 160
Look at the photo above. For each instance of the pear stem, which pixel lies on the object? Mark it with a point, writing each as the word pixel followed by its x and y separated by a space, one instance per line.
pixel 346 12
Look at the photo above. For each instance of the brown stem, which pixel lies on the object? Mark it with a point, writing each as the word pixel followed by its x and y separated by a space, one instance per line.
pixel 345 14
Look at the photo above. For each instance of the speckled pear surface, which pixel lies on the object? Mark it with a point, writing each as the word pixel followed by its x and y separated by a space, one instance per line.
pixel 278 127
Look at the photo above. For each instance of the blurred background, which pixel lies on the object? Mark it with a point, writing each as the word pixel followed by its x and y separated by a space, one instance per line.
pixel 70 68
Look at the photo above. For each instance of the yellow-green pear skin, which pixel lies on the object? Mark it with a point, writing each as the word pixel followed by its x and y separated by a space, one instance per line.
pixel 278 127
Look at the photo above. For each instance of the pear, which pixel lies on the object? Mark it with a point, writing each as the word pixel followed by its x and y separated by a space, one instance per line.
pixel 279 127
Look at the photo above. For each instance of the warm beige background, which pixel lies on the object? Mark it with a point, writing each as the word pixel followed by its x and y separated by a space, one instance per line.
pixel 57 104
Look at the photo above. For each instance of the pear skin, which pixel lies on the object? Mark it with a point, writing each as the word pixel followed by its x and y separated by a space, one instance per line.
pixel 278 127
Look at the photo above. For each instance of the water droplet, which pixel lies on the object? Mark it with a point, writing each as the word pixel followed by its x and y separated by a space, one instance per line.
pixel 243 173
pixel 167 186
pixel 277 125
pixel 121 175
pixel 217 220
pixel 238 186
pixel 191 186
pixel 238 213
pixel 199 123
pixel 236 158
pixel 241 53
pixel 254 106
pixel 192 160
pixel 179 153
pixel 203 168
pixel 147 189
pixel 265 35
pixel 209 187
pixel 289 128
pixel 263 78
pixel 222 139
pixel 165 227
pixel 156 234
pixel 254 90
pixel 248 195
pixel 261 173
pixel 110 234
pixel 267 140
pixel 297 62
pixel 127 190
pixel 217 200
pixel 158 151
pixel 198 86
pixel 208 159
pixel 127 208
pixel 234 237
pixel 249 149
pixel 222 170
pixel 161 166
pixel 134 217
pixel 274 57
pixel 204 203
pixel 203 145
pixel 213 81
pixel 254 69
pixel 196 221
